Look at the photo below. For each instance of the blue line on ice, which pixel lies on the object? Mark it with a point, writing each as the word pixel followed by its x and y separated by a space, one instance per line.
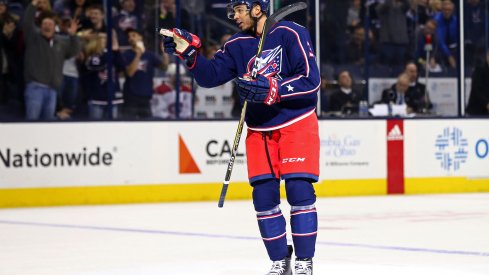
pixel 206 235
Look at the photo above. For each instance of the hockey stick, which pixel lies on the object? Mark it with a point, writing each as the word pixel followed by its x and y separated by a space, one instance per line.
pixel 272 20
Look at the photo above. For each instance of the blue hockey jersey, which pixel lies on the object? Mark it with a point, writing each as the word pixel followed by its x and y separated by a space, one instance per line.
pixel 287 55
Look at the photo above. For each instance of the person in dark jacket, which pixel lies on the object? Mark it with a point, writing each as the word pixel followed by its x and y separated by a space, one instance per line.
pixel 479 94
pixel 102 103
pixel 397 94
pixel 140 67
pixel 419 96
pixel 44 57
pixel 345 99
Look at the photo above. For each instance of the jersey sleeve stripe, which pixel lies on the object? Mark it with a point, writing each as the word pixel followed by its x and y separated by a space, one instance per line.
pixel 223 50
pixel 303 93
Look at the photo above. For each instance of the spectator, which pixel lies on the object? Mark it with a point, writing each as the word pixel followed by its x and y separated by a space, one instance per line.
pixel 419 13
pixel 165 18
pixel 164 101
pixel 102 103
pixel 43 6
pixel 475 24
pixel 435 6
pixel 97 25
pixel 393 31
pixel 11 57
pixel 344 99
pixel 76 9
pixel 139 71
pixel 369 7
pixel 419 97
pixel 127 18
pixel 427 34
pixel 447 32
pixel 44 57
pixel 69 87
pixel 353 18
pixel 479 95
pixel 397 93
pixel 334 28
pixel 355 50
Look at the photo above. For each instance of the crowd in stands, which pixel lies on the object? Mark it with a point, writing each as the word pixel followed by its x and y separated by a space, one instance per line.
pixel 67 77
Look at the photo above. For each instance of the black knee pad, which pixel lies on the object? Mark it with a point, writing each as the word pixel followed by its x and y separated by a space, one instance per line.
pixel 266 194
pixel 300 192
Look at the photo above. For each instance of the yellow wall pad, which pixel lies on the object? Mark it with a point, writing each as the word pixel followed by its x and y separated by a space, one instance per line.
pixel 445 185
pixel 28 197
pixel 358 187
pixel 120 194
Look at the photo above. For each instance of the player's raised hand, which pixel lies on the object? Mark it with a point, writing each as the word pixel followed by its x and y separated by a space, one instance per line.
pixel 260 90
pixel 181 43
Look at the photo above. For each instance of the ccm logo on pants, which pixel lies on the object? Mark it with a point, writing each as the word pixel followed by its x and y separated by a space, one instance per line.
pixel 287 160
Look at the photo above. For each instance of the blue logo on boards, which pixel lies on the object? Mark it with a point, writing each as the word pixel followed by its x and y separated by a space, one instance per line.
pixel 451 149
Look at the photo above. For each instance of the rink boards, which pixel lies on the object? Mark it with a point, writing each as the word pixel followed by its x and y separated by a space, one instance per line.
pixel 120 162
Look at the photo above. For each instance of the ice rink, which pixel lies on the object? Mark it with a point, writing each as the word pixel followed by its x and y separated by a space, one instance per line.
pixel 431 234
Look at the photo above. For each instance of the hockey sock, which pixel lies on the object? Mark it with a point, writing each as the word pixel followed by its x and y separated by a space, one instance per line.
pixel 304 225
pixel 272 229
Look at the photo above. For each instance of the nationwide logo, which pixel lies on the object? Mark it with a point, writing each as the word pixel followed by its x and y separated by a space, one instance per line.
pixel 38 158
pixel 395 133
pixel 451 149
pixel 187 164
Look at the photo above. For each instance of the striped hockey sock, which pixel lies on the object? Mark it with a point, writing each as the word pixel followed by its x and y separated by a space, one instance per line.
pixel 304 224
pixel 272 229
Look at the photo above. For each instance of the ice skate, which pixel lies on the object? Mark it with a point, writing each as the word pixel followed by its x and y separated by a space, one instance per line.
pixel 282 267
pixel 303 266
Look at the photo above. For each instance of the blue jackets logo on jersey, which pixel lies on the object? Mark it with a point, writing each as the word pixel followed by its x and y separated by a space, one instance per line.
pixel 270 63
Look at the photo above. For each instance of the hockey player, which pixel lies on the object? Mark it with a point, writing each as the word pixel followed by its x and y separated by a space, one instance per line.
pixel 282 140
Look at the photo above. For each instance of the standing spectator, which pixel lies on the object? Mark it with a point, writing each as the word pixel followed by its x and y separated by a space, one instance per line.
pixel 97 25
pixel 165 17
pixel 344 99
pixel 43 6
pixel 44 57
pixel 369 7
pixel 11 57
pixel 447 32
pixel 353 18
pixel 69 87
pixel 393 31
pixel 428 34
pixel 102 103
pixel 420 101
pixel 418 13
pixel 475 24
pixel 76 9
pixel 355 50
pixel 334 28
pixel 138 86
pixel 127 18
pixel 435 6
pixel 479 94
